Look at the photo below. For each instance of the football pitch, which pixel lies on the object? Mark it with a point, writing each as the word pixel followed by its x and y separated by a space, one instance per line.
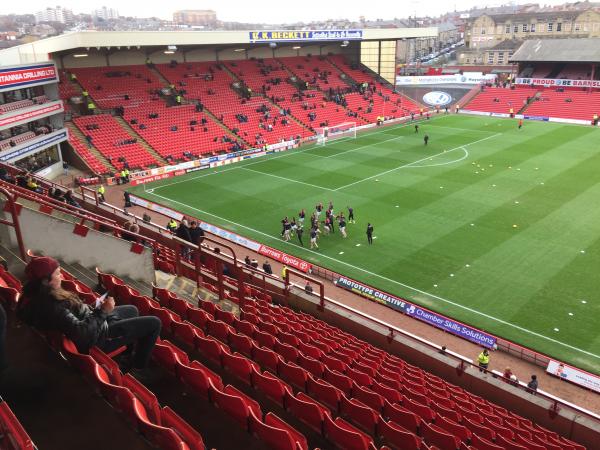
pixel 491 225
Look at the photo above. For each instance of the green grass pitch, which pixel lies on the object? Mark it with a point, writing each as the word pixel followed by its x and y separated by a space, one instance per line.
pixel 491 225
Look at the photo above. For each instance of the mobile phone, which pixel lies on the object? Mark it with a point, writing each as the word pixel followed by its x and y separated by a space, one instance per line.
pixel 100 300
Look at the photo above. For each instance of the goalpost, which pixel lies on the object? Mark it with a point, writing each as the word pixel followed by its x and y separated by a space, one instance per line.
pixel 342 130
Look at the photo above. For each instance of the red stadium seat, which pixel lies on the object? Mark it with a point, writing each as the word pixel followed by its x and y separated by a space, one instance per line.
pixel 287 352
pixel 340 381
pixel 186 332
pixel 188 434
pixel 239 365
pixel 167 355
pixel 270 385
pixel 12 434
pixel 344 435
pixel 359 414
pixel 307 410
pixel 481 443
pixel 236 404
pixel 199 378
pixel 369 398
pixel 210 348
pixel 266 358
pixel 439 437
pixel 325 393
pixel 313 366
pixel 293 374
pixel 241 343
pixel 398 437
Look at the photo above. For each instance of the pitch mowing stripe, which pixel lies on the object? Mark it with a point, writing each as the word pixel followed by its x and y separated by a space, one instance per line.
pixel 466 308
pixel 284 178
pixel 415 162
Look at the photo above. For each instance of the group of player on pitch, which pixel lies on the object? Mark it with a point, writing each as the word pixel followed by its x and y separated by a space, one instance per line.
pixel 293 227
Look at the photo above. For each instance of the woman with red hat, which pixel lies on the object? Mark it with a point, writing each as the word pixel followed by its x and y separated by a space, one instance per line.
pixel 47 306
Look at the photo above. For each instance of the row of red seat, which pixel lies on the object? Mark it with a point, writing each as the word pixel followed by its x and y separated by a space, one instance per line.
pixel 570 104
pixel 500 100
pixel 246 411
pixel 445 432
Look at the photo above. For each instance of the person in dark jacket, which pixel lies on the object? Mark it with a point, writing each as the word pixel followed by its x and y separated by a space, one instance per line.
pixel 196 233
pixel 46 306
pixel 183 232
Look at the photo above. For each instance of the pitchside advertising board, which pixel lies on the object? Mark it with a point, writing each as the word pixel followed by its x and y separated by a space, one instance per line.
pixel 465 78
pixel 18 77
pixel 437 320
pixel 556 83
pixel 574 375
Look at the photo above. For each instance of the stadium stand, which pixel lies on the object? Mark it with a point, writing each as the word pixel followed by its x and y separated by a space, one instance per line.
pixel 115 86
pixel 500 100
pixel 115 144
pixel 570 104
pixel 216 114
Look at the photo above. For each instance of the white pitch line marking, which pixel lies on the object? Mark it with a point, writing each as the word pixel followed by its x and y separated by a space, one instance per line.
pixel 416 162
pixel 286 179
pixel 376 275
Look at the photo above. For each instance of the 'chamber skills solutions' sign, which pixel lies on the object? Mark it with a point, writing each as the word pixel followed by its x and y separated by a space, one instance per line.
pixel 437 320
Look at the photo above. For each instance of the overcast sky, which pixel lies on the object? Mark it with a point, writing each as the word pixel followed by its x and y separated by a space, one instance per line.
pixel 263 11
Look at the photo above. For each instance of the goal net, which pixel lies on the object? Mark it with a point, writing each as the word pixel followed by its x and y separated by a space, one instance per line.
pixel 343 130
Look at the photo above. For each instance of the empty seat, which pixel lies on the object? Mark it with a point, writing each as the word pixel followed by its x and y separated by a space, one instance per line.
pixel 276 433
pixel 239 365
pixel 359 414
pixel 344 435
pixel 398 437
pixel 401 416
pixel 324 393
pixel 236 404
pixel 307 410
pixel 270 385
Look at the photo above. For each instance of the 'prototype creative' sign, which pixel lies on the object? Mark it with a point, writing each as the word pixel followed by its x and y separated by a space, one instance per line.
pixel 437 320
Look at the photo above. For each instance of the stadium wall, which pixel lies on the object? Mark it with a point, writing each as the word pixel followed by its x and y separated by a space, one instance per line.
pixel 53 235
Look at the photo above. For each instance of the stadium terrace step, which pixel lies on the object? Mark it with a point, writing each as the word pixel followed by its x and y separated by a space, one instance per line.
pixel 140 140
pixel 78 144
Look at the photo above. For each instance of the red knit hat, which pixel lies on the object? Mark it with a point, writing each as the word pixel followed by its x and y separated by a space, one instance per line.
pixel 40 268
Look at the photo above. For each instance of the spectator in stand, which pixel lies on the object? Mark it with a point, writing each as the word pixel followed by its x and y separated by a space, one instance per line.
pixel 146 218
pixel 183 233
pixel 308 288
pixel 68 197
pixel 267 268
pixel 46 306
pixel 196 233
pixel 532 386
pixel 5 176
pixel 172 226
pixel 33 186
